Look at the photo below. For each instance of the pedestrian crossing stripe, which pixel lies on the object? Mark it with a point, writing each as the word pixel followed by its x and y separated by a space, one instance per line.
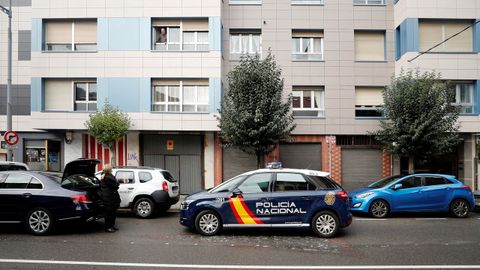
pixel 241 211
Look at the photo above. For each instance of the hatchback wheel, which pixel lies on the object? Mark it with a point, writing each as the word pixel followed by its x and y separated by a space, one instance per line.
pixel 379 209
pixel 208 223
pixel 144 208
pixel 39 221
pixel 325 224
pixel 459 208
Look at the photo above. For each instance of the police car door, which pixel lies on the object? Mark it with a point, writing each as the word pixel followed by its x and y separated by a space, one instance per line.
pixel 292 197
pixel 245 198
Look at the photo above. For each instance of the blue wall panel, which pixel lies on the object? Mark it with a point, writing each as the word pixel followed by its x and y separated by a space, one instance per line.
pixel 37 35
pixel 215 33
pixel 36 94
pixel 476 97
pixel 128 94
pixel 476 36
pixel 215 94
pixel 407 39
pixel 123 34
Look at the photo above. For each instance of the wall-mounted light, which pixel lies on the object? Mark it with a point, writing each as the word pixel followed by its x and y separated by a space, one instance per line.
pixel 68 137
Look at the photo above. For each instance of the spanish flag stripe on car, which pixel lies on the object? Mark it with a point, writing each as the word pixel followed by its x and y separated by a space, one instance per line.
pixel 242 212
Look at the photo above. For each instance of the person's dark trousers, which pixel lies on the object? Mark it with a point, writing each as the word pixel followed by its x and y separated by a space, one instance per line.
pixel 110 217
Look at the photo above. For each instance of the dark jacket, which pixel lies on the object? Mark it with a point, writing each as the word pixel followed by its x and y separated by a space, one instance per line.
pixel 109 187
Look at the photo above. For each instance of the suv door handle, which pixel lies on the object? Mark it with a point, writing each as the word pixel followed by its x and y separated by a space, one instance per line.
pixel 27 195
pixel 131 188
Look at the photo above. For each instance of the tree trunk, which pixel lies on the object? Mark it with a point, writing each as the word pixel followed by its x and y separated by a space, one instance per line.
pixel 411 164
pixel 113 153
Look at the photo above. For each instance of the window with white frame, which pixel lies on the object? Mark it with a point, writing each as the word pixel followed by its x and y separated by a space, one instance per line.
pixel 179 35
pixel 464 97
pixel 70 35
pixel 244 43
pixel 70 95
pixel 307 2
pixel 85 96
pixel 368 101
pixel 307 45
pixel 308 101
pixel 433 32
pixel 180 96
pixel 369 2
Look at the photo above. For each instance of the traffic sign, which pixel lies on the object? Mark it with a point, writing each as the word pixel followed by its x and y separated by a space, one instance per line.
pixel 11 137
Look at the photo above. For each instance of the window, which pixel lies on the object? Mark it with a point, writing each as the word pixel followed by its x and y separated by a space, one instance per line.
pixel 85 96
pixel 70 35
pixel 16 181
pixel 144 177
pixel 228 185
pixel 368 102
pixel 34 184
pixel 369 45
pixel 432 32
pixel 307 2
pixel 245 2
pixel 256 183
pixel 464 97
pixel 324 182
pixel 307 45
pixel 292 182
pixel 411 182
pixel 177 35
pixel 434 181
pixel 308 101
pixel 125 177
pixel 369 2
pixel 68 95
pixel 244 42
pixel 180 96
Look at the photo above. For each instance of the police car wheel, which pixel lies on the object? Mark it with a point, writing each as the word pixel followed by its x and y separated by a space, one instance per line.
pixel 208 223
pixel 379 209
pixel 144 208
pixel 325 224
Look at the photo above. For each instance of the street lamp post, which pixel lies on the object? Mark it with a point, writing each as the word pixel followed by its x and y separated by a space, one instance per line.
pixel 9 72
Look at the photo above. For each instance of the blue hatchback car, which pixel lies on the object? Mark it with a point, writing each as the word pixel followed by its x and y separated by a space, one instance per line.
pixel 413 193
pixel 270 198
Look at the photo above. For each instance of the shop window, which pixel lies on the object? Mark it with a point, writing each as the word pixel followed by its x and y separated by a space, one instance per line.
pixel 308 101
pixel 70 35
pixel 307 45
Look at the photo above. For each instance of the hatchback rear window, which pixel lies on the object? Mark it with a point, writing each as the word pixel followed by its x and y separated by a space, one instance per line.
pixel 168 176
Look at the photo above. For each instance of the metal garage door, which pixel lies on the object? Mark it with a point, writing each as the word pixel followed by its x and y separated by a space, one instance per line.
pixel 236 162
pixel 301 156
pixel 360 167
pixel 183 160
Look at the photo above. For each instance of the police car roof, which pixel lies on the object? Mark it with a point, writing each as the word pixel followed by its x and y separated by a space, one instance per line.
pixel 304 171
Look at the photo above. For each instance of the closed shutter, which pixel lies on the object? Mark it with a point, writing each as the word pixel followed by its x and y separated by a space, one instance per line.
pixel 58 32
pixel 369 46
pixel 371 96
pixel 462 42
pixel 360 167
pixel 86 32
pixel 236 162
pixel 301 156
pixel 58 95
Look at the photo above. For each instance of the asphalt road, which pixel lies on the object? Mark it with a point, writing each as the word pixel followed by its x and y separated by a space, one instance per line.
pixel 161 243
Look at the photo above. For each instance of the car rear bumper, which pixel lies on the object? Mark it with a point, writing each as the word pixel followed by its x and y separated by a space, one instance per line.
pixel 162 198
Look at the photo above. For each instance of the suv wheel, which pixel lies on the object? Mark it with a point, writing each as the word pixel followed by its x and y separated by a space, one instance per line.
pixel 325 224
pixel 459 208
pixel 208 223
pixel 39 221
pixel 144 208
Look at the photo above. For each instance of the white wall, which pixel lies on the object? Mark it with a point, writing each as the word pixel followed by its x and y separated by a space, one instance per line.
pixel 133 149
pixel 74 150
pixel 209 159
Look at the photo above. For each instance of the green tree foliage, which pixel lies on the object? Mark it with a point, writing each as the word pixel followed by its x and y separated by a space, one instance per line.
pixel 108 126
pixel 254 117
pixel 420 117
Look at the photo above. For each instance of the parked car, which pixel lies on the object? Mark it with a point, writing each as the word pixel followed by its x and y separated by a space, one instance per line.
pixel 413 193
pixel 270 198
pixel 40 200
pixel 13 166
pixel 146 190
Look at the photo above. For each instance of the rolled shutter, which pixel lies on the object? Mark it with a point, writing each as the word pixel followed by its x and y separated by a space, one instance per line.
pixel 369 46
pixel 86 32
pixel 58 95
pixel 58 32
pixel 369 96
pixel 462 42
pixel 195 25
pixel 430 34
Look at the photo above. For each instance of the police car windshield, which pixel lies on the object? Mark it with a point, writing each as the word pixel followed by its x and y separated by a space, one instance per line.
pixel 228 185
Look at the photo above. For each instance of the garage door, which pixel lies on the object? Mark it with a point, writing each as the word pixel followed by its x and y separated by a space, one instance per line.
pixel 360 167
pixel 301 156
pixel 236 162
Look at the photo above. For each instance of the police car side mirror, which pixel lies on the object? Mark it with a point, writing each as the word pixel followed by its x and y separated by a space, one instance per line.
pixel 397 186
pixel 236 192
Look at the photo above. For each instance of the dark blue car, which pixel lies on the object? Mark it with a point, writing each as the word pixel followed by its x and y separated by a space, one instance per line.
pixel 413 193
pixel 40 200
pixel 270 198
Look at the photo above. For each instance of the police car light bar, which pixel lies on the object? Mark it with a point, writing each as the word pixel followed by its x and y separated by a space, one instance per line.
pixel 273 165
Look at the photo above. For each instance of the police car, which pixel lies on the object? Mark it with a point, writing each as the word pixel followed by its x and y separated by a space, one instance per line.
pixel 272 197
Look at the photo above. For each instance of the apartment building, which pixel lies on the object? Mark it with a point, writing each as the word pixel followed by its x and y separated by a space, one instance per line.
pixel 165 63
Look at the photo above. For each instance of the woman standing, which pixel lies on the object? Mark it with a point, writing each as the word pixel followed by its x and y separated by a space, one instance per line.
pixel 111 198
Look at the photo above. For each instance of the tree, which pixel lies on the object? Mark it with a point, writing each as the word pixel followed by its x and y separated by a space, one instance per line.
pixel 419 116
pixel 254 117
pixel 108 126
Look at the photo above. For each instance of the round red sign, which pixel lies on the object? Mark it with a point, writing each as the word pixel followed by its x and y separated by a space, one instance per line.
pixel 11 137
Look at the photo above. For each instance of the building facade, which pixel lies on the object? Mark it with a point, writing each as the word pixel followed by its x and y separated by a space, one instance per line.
pixel 165 64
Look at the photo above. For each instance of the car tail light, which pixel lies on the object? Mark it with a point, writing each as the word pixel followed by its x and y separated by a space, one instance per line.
pixel 165 186
pixel 81 199
pixel 342 195
pixel 468 188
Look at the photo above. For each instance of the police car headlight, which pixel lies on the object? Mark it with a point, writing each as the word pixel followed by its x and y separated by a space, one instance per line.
pixel 184 205
pixel 364 195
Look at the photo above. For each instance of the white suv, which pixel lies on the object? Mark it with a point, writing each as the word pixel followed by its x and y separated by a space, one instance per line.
pixel 146 190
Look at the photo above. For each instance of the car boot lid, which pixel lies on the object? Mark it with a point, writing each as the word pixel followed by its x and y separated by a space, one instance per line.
pixel 85 166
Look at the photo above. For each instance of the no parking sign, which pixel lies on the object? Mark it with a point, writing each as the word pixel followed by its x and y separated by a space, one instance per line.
pixel 11 137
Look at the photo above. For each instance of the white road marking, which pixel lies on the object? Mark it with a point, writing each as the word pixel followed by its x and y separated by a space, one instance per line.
pixel 370 219
pixel 205 266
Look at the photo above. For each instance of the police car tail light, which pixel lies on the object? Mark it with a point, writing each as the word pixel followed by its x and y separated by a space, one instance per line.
pixel 342 195
pixel 165 186
pixel 80 199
